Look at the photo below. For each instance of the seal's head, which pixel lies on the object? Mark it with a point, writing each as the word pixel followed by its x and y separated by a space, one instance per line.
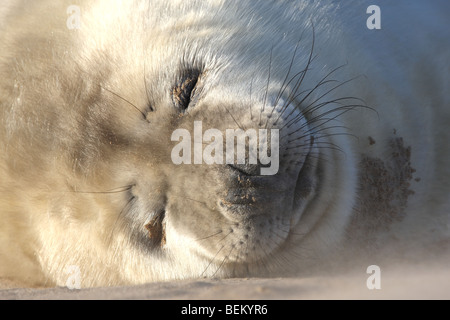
pixel 177 148
pixel 218 152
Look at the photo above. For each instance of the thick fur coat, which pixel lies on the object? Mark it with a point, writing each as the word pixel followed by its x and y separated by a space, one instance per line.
pixel 86 115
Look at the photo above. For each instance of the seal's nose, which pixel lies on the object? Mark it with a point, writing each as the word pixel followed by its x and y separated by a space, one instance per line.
pixel 254 195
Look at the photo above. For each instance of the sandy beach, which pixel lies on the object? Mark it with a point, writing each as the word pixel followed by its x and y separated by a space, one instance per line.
pixel 398 283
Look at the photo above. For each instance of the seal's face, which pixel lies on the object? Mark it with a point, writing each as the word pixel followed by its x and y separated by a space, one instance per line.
pixel 233 212
pixel 228 212
pixel 158 131
pixel 163 140
pixel 133 133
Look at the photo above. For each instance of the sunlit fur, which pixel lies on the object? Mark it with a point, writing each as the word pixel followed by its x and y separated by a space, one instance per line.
pixel 86 117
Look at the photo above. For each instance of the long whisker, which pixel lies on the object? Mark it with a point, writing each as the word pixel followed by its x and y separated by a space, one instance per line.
pixel 123 99
pixel 146 90
pixel 251 100
pixel 300 80
pixel 267 86
pixel 212 260
pixel 223 261
pixel 210 236
pixel 116 190
pixel 234 119
pixel 127 205
pixel 283 85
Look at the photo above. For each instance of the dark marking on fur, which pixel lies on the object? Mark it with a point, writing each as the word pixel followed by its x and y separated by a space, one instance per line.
pixel 371 141
pixel 384 188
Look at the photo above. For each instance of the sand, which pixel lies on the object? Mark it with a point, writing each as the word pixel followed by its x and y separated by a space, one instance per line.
pixel 426 282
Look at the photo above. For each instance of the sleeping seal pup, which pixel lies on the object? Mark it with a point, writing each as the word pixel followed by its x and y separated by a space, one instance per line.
pixel 150 140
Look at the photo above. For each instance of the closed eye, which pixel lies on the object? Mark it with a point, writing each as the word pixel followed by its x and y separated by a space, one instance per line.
pixel 184 91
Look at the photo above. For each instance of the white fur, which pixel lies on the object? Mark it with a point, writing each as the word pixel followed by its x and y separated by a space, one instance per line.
pixel 403 69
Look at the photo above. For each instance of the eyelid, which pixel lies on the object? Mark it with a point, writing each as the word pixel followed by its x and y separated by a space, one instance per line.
pixel 184 92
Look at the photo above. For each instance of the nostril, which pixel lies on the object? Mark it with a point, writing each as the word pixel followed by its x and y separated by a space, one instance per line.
pixel 157 229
